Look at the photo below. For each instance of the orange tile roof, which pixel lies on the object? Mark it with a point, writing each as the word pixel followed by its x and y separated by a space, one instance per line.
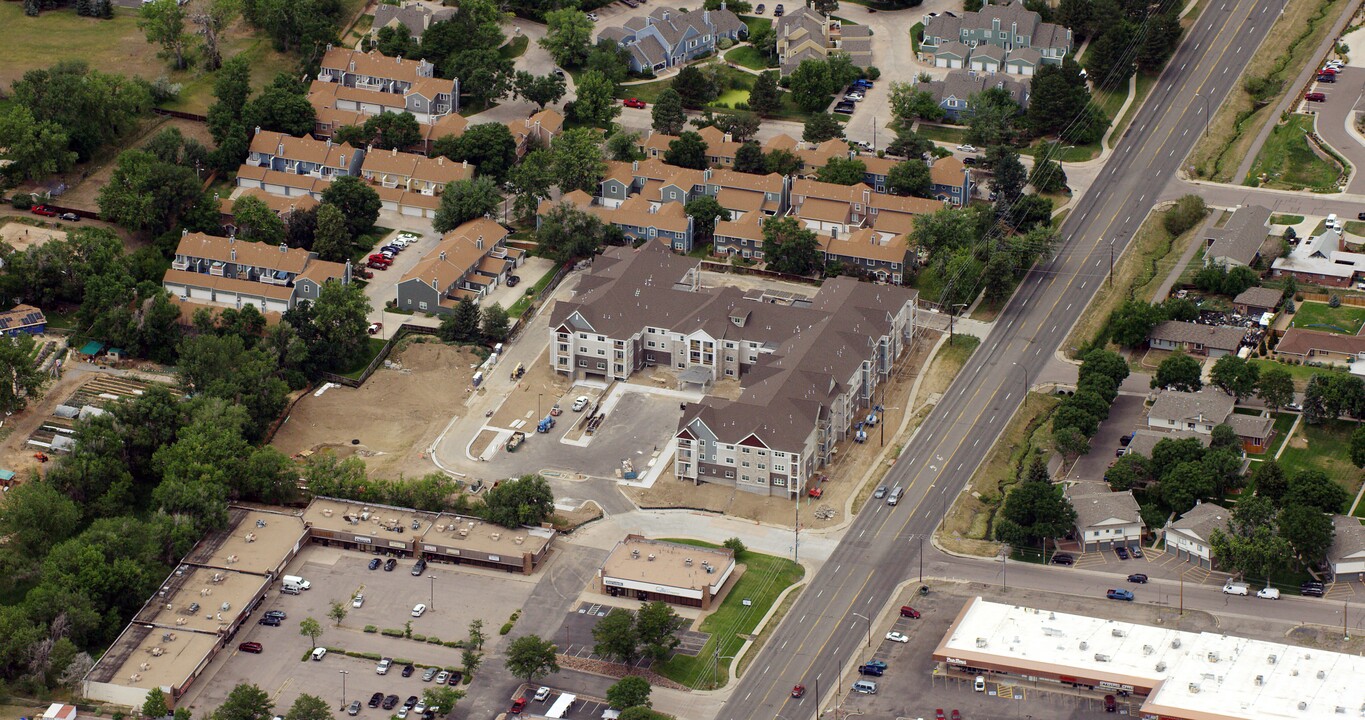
pixel 304 149
pixel 212 247
pixel 947 171
pixel 241 287
pixel 865 244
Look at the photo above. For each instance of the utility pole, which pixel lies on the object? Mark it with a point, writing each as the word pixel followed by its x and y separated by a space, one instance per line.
pixel 921 558
pixel 869 627
pixel 1111 263
pixel 817 697
pixel 344 673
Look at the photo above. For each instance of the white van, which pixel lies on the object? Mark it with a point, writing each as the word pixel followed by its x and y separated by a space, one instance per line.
pixel 866 687
pixel 895 496
pixel 1235 588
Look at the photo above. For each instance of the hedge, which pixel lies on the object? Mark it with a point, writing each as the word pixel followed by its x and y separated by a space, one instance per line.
pixel 371 629
pixel 391 632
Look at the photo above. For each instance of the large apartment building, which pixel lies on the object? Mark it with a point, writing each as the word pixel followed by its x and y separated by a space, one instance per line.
pixel 810 369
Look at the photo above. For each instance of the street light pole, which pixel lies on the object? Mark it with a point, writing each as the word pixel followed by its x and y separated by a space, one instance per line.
pixel 344 673
pixel 432 603
pixel 869 627
pixel 539 397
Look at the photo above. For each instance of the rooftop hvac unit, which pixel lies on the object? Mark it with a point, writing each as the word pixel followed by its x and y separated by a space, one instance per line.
pixel 440 528
pixel 1194 688
pixel 1117 632
pixel 651 557
pixel 1213 657
pixel 687 562
pixel 225 607
pixel 194 608
pixel 1322 674
pixel 1100 657
pixel 981 642
pixel 1260 680
pixel 1303 705
pixel 416 525
pixel 635 554
pixel 1161 666
pixel 1085 645
pixel 1175 644
pixel 1148 649
pixel 710 569
pixel 1272 659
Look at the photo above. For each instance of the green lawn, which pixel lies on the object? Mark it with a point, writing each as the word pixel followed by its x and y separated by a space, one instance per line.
pixel 524 301
pixel 916 32
pixel 1343 320
pixel 1290 163
pixel 731 98
pixel 943 133
pixel 754 22
pixel 1328 449
pixel 515 47
pixel 1301 373
pixel 747 56
pixel 736 89
pixel 372 348
pixel 1279 219
pixel 1068 153
pixel 1355 227
pixel 764 578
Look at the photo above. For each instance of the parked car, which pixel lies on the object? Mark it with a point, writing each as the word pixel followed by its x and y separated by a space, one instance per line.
pixel 412 700
pixel 455 677
pixel 251 647
pixel 909 612
pixel 779 11
pixel 358 600
pixel 845 108
pixel 580 402
pixel 1110 704
pixel 592 17
pixel 1315 97
pixel 556 410
pixel 513 280
pixel 269 620
pixel 634 103
pixel 417 611
pixel 1269 593
pixel 955 715
pixel 429 673
pixel 853 96
pixel 354 709
pixel 1312 589
pixel 759 10
pixel 408 670
pixel 872 670
pixel 1138 578
pixel 1063 559
pixel 319 653
pixel 877 664
pixel 1119 594
pixel 966 148
pixel 376 700
pixel 43 210
pixel 894 636
pixel 378 265
pixel 542 694
pixel 517 706
pixel 1135 550
pixel 420 707
pixel 419 567
pixel 362 273
pixel 969 160
pixel 276 614
pixel 383 667
pixel 1327 78
pixel 1121 551
pixel 441 678
pixel 938 714
pixel 390 564
pixel 390 701
pixel 70 217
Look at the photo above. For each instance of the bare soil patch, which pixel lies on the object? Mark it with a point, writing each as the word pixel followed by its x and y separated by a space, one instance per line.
pixel 395 415
pixel 22 236
pixel 85 181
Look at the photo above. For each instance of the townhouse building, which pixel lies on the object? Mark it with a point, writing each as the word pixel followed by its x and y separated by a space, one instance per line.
pixel 231 273
pixel 865 252
pixel 660 183
pixel 336 106
pixel 318 159
pixel 827 208
pixel 1007 37
pixel 284 207
pixel 424 95
pixel 1200 412
pixel 809 371
pixel 1105 519
pixel 637 218
pixel 804 34
pixel 539 130
pixel 414 16
pixel 412 173
pixel 720 146
pixel 468 263
pixel 670 36
pixel 954 92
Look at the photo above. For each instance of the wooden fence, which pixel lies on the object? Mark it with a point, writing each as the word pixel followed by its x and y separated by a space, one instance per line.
pixel 1352 300
pixel 403 331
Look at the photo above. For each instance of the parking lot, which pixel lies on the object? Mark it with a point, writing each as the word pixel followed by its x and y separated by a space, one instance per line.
pixel 583 708
pixel 1127 413
pixel 639 422
pixel 455 597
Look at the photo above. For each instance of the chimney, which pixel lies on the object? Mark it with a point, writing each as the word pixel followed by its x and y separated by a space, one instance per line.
pixel 257 132
pixel 867 195
pixel 284 248
pixel 343 161
pixel 479 243
pixel 706 16
pixel 635 166
pixel 441 160
pixel 233 254
pixel 665 15
pixel 443 255
pixel 352 65
pixel 279 147
pixel 394 153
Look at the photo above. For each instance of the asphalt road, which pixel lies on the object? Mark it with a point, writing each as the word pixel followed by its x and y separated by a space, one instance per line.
pixel 879 550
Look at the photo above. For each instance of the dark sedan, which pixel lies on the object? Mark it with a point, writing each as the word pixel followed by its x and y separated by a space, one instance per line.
pixel 376 699
pixel 1138 578
pixel 390 564
pixel 390 702
pixel 374 563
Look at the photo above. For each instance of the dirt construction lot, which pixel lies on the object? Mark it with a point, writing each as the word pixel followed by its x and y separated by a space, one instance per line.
pixel 395 415
pixel 21 236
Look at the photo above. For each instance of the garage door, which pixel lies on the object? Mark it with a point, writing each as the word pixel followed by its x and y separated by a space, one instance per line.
pixel 176 290
pixel 390 205
pixel 954 63
pixel 275 189
pixel 201 293
pixel 411 211
pixel 276 305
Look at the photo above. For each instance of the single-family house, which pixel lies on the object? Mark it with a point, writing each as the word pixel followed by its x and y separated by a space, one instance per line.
pixel 468 263
pixel 1321 260
pixel 1215 341
pixel 1144 440
pixel 424 95
pixel 1347 552
pixel 232 273
pixel 1190 537
pixel 22 320
pixel 671 36
pixel 1239 241
pixel 1008 35
pixel 955 91
pixel 1302 345
pixel 1257 301
pixel 1105 519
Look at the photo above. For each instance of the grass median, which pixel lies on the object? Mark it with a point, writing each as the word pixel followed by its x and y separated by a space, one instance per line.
pixel 731 624
pixel 1288 161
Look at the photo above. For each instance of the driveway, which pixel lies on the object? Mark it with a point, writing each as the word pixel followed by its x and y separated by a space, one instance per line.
pixel 1125 415
pixel 383 286
pixel 1336 117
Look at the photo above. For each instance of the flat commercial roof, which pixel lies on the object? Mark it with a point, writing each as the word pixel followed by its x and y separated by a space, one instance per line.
pixel 1196 676
pixel 153 657
pixel 664 563
pixel 255 541
pixel 216 596
pixel 366 518
pixel 482 536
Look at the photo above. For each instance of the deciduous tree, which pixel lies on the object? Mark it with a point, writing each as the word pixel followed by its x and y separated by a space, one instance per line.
pixel 163 21
pixel 596 101
pixel 20 379
pixel 526 500
pixel 657 625
pixel 616 637
pixel 628 692
pixel 529 658
pixel 256 222
pixel 568 36
pixel 842 171
pixel 578 161
pixel 1275 387
pixel 357 201
pixel 821 126
pixel 668 115
pixel 764 97
pixel 789 247
pixel 1235 376
pixel 687 150
pixel 539 89
pixel 465 200
pixel 910 177
pixel 1179 371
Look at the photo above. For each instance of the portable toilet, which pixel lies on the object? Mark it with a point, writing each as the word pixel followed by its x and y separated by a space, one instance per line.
pixel 478 378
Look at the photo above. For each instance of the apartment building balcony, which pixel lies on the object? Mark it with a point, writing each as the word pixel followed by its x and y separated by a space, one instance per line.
pixel 183 265
pixel 218 269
